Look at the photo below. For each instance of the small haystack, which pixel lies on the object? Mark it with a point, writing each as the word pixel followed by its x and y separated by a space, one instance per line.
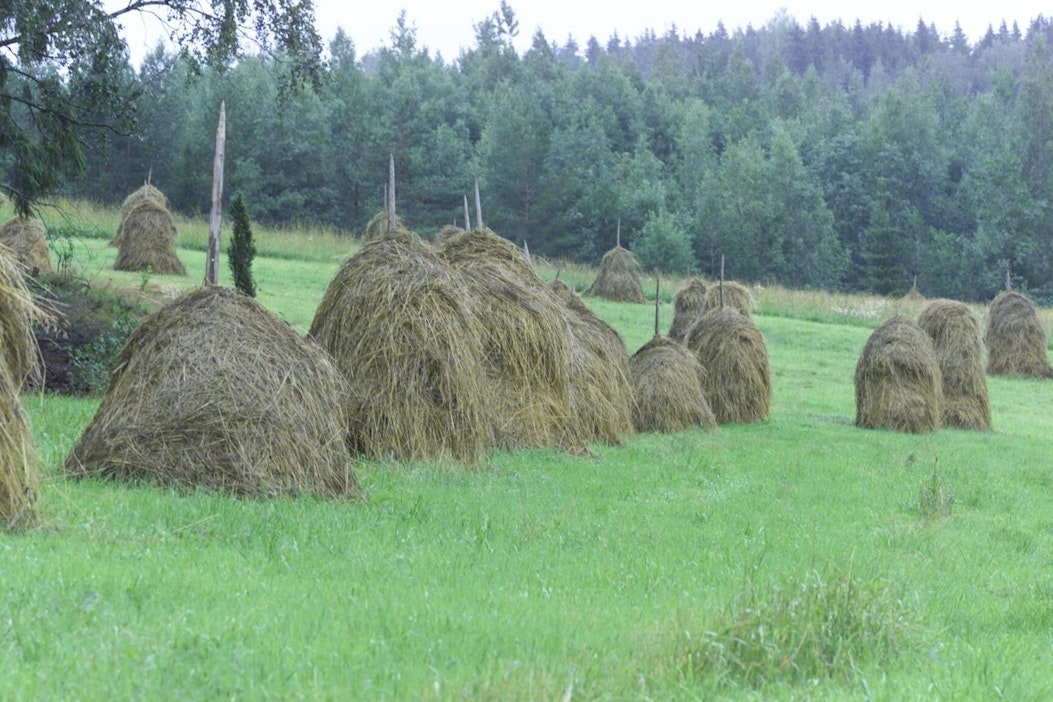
pixel 955 333
pixel 1015 339
pixel 146 240
pixel 525 345
pixel 378 228
pixel 400 325
pixel 19 467
pixel 147 192
pixel 897 379
pixel 619 278
pixel 214 391
pixel 689 303
pixel 667 388
pixel 601 395
pixel 736 296
pixel 737 378
pixel 28 239
pixel 448 232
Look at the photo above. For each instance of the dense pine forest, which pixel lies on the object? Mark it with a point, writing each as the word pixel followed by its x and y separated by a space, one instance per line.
pixel 859 157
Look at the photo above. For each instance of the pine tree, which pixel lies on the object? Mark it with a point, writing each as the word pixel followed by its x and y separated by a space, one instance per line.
pixel 241 250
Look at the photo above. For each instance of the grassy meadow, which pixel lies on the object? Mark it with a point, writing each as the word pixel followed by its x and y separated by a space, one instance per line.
pixel 796 558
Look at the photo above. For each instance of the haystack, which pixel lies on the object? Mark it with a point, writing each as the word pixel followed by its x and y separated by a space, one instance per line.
pixel 147 192
pixel 378 228
pixel 897 379
pixel 1016 341
pixel 448 232
pixel 28 239
pixel 737 378
pixel 955 333
pixel 399 323
pixel 619 277
pixel 600 392
pixel 667 388
pixel 19 468
pixel 736 296
pixel 689 303
pixel 214 391
pixel 525 345
pixel 146 240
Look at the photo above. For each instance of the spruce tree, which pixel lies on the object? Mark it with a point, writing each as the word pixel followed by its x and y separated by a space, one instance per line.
pixel 241 250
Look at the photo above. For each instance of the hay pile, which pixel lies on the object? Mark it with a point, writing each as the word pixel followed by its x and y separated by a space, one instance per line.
pixel 19 467
pixel 736 296
pixel 897 379
pixel 619 277
pixel 400 324
pixel 667 388
pixel 147 192
pixel 1015 339
pixel 737 378
pixel 600 392
pixel 28 239
pixel 146 239
pixel 214 391
pixel 448 232
pixel 689 303
pixel 955 333
pixel 526 351
pixel 378 228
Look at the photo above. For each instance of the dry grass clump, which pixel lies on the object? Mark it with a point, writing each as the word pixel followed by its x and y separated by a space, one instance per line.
pixel 955 333
pixel 526 351
pixel 28 239
pixel 601 396
pixel 736 296
pixel 689 303
pixel 897 379
pixel 146 239
pixel 378 228
pixel 401 326
pixel 619 277
pixel 214 391
pixel 667 388
pixel 1015 339
pixel 737 378
pixel 448 232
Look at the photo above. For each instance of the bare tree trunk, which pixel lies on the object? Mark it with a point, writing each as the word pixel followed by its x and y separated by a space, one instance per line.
pixel 216 216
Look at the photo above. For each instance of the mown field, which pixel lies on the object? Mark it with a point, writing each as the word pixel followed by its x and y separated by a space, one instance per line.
pixel 797 558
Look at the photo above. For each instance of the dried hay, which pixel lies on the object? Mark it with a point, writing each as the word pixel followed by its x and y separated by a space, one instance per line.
pixel 214 391
pixel 378 228
pixel 18 313
pixel 600 392
pixel 525 345
pixel 667 388
pixel 737 378
pixel 619 278
pixel 448 232
pixel 736 296
pixel 689 303
pixel 398 322
pixel 28 239
pixel 955 333
pixel 146 241
pixel 897 379
pixel 1015 339
pixel 147 192
pixel 913 295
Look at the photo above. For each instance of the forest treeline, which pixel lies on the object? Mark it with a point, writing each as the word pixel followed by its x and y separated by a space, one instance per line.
pixel 840 157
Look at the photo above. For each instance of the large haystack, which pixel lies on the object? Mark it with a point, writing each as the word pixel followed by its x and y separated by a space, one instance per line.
pixel 667 388
pixel 736 296
pixel 401 327
pixel 897 379
pixel 526 350
pixel 147 192
pixel 1015 339
pixel 28 239
pixel 601 396
pixel 19 468
pixel 619 278
pixel 146 240
pixel 214 391
pixel 955 333
pixel 689 303
pixel 737 378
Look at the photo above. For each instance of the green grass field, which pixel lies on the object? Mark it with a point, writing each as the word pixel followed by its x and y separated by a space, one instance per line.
pixel 798 558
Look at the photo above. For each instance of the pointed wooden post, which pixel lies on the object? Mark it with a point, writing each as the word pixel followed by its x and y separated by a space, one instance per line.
pixel 721 281
pixel 526 252
pixel 478 207
pixel 618 235
pixel 1008 279
pixel 215 218
pixel 657 306
pixel 391 189
pixel 467 219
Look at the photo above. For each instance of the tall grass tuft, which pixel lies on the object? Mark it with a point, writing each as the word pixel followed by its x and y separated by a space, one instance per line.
pixel 935 499
pixel 812 631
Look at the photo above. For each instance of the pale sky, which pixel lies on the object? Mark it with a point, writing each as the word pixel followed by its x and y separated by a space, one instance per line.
pixel 446 27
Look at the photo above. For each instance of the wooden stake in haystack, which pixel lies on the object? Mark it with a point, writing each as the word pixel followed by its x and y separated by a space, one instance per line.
pixel 215 218
pixel 390 200
pixel 478 207
pixel 467 218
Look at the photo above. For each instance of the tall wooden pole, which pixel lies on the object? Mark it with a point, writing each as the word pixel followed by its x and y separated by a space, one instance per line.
pixel 391 191
pixel 618 235
pixel 657 306
pixel 478 207
pixel 467 219
pixel 215 219
pixel 721 281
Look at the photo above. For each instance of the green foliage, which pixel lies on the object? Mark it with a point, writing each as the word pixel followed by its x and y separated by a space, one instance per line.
pixel 663 246
pixel 93 361
pixel 242 250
